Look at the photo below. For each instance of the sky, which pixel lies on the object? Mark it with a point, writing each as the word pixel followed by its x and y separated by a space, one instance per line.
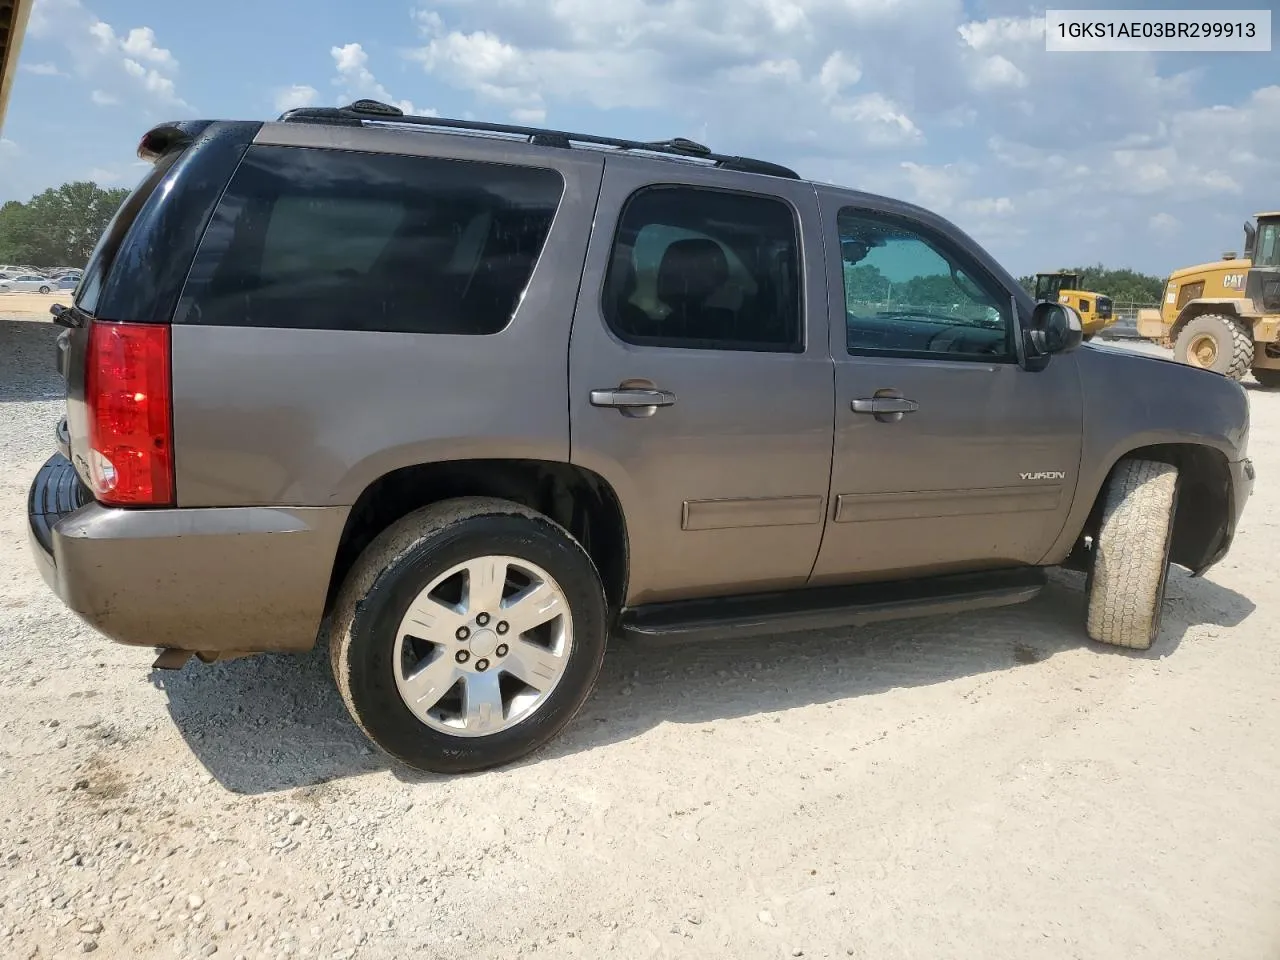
pixel 1047 159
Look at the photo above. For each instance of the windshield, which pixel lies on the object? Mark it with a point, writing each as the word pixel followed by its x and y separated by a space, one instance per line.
pixel 1268 250
pixel 1049 285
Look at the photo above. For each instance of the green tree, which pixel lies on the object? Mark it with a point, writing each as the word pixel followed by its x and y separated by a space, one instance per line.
pixel 1122 286
pixel 58 227
pixel 864 284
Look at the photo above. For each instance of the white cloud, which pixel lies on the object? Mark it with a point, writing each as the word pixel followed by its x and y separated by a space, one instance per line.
pixel 298 95
pixel 880 120
pixel 531 115
pixel 994 72
pixel 937 187
pixel 838 72
pixel 356 81
pixel 43 69
pixel 1003 32
pixel 988 207
pixel 129 67
pixel 1163 223
pixel 141 45
pixel 104 99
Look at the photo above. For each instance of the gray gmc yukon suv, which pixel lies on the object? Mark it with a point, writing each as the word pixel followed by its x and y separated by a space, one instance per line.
pixel 464 400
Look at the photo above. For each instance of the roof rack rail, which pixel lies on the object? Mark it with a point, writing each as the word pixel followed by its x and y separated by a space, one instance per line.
pixel 374 111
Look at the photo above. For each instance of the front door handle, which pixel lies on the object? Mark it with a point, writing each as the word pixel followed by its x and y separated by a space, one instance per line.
pixel 635 401
pixel 882 405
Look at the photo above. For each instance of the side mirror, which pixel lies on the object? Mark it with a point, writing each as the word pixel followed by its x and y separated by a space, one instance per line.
pixel 1055 328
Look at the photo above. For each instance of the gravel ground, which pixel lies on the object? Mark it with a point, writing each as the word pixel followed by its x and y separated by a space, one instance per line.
pixel 981 786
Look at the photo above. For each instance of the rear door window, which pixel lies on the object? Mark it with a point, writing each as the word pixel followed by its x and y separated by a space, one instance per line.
pixel 706 269
pixel 343 240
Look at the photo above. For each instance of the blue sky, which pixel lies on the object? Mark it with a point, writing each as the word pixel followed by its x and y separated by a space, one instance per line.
pixel 1048 159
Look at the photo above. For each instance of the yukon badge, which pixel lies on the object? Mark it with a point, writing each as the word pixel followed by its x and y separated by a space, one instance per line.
pixel 1044 475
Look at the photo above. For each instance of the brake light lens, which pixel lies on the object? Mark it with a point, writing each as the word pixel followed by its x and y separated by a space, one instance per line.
pixel 128 396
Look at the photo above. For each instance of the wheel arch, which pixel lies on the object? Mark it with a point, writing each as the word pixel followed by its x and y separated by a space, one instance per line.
pixel 1204 502
pixel 581 501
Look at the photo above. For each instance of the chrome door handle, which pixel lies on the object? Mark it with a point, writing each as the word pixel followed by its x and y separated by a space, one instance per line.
pixel 881 405
pixel 628 397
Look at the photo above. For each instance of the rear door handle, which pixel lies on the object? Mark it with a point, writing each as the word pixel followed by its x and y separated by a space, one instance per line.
pixel 629 398
pixel 882 405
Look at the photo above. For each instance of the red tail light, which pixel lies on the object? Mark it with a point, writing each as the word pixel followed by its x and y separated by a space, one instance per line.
pixel 127 392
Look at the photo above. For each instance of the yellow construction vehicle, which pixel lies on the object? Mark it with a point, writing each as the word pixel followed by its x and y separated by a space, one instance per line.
pixel 1063 287
pixel 1225 316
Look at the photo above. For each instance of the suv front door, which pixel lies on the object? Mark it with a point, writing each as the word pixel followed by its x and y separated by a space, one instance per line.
pixel 700 382
pixel 949 456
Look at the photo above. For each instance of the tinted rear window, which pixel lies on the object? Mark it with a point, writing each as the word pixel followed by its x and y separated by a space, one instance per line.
pixel 104 252
pixel 341 240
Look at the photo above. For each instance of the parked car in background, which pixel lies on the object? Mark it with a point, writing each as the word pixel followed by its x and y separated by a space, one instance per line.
pixel 28 283
pixel 68 281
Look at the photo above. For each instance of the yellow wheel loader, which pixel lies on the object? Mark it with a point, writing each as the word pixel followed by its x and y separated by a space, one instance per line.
pixel 1225 316
pixel 1095 309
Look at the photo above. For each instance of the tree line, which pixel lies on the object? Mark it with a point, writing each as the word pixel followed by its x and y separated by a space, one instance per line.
pixel 1122 286
pixel 57 228
pixel 865 283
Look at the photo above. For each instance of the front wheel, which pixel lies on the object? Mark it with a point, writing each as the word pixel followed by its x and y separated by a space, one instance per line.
pixel 468 634
pixel 44 289
pixel 1214 341
pixel 1131 554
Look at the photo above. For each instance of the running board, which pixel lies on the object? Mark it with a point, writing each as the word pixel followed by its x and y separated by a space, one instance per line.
pixel 822 608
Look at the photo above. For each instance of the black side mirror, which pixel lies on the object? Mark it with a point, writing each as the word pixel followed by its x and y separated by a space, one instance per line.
pixel 1055 328
pixel 1250 240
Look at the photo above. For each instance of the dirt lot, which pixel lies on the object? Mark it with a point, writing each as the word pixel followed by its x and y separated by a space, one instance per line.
pixel 984 786
pixel 31 305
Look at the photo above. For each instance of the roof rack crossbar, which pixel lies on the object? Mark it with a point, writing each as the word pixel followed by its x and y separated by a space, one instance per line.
pixel 373 111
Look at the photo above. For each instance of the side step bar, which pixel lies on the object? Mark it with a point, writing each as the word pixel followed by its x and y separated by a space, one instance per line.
pixel 821 608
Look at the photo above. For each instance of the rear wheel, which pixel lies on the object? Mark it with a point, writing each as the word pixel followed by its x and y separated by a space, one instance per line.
pixel 468 634
pixel 44 289
pixel 1130 567
pixel 1216 342
pixel 1269 378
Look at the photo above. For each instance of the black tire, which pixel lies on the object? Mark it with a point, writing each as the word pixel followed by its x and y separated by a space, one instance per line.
pixel 1089 336
pixel 1130 567
pixel 44 289
pixel 401 562
pixel 1269 378
pixel 1227 345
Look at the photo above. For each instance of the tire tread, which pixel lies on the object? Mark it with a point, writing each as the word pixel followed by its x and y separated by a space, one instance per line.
pixel 1130 553
pixel 1240 343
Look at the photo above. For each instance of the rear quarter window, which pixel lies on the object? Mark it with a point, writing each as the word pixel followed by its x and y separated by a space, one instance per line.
pixel 343 240
pixel 104 251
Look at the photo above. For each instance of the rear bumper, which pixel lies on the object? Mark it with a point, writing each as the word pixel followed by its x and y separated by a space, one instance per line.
pixel 215 580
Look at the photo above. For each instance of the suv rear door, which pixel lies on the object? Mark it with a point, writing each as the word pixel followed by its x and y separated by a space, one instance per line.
pixel 704 302
pixel 972 461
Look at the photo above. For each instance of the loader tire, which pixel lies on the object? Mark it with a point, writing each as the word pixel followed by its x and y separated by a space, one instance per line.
pixel 1214 341
pixel 1130 567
